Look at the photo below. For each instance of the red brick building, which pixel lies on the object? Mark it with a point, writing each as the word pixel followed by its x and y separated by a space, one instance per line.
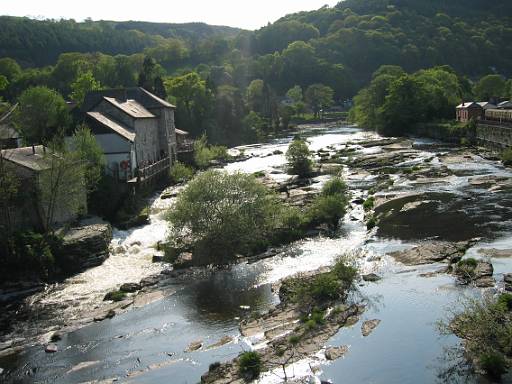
pixel 468 111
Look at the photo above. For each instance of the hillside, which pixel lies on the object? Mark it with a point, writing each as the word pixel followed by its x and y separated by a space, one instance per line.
pixel 472 36
pixel 40 42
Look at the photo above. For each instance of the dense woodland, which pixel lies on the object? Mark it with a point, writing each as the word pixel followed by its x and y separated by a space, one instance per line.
pixel 230 83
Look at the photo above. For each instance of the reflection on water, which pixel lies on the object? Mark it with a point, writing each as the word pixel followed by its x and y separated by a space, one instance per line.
pixel 147 345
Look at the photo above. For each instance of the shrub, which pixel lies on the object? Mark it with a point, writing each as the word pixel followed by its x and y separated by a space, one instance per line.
pixel 485 325
pixel 204 153
pixel 493 363
pixel 505 301
pixel 250 365
pixel 371 222
pixel 181 173
pixel 465 269
pixel 369 203
pixel 506 157
pixel 299 158
pixel 335 186
pixel 115 296
pixel 346 273
pixel 294 339
pixel 327 209
pixel 325 287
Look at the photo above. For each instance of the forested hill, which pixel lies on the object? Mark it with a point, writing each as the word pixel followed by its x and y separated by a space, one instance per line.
pixel 472 36
pixel 40 42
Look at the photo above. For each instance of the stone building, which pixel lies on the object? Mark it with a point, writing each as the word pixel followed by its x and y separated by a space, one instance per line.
pixel 9 136
pixel 135 129
pixel 28 165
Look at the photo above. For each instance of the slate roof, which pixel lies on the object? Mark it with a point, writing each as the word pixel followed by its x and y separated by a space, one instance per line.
pixel 33 158
pixel 131 107
pixel 154 98
pixel 469 104
pixel 113 125
pixel 486 104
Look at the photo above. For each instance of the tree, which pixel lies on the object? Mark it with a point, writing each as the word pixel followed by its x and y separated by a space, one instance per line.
pixel 256 96
pixel 194 101
pixel 42 113
pixel 9 68
pixel 295 94
pixel 404 106
pixel 84 144
pixel 299 158
pixel 225 214
pixel 61 187
pixel 490 86
pixel 84 83
pixel 319 96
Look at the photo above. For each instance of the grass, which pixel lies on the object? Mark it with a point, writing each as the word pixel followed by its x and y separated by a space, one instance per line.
pixel 181 173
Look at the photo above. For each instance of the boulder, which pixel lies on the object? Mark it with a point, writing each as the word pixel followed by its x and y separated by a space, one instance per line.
pixel 184 260
pixel 372 277
pixel 56 336
pixel 368 326
pixel 333 353
pixel 485 282
pixel 194 346
pixel 130 287
pixel 495 253
pixel 105 315
pixel 483 269
pixel 507 279
pixel 149 281
pixel 85 247
pixel 432 252
pixel 51 348
pixel 157 259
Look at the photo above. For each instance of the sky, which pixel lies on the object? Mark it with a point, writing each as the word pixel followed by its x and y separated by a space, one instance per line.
pixel 245 14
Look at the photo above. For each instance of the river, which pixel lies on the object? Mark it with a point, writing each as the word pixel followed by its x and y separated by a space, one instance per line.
pixel 147 344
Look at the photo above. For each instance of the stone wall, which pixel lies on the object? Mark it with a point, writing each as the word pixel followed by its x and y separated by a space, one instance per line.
pixel 494 135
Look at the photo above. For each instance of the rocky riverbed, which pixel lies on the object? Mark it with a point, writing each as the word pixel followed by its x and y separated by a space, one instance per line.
pixel 418 207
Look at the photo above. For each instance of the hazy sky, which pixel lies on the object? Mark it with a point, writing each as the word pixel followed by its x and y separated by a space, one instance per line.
pixel 250 14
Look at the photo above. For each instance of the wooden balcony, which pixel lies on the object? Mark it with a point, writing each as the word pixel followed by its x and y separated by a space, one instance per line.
pixel 146 174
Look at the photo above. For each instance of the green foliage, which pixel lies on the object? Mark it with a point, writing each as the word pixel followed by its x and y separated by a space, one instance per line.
pixel 204 153
pixel 318 97
pixel 485 325
pixel 369 203
pixel 250 365
pixel 494 364
pixel 84 83
pixel 294 339
pixel 331 205
pixel 226 214
pixel 371 222
pixel 181 173
pixel 62 187
pixel 116 296
pixel 42 114
pixel 90 153
pixel 30 255
pixel 193 99
pixel 490 86
pixel 299 158
pixel 335 186
pixel 321 288
pixel 395 102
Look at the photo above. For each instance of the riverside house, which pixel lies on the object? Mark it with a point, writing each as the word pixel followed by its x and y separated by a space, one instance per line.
pixel 136 131
pixel 33 209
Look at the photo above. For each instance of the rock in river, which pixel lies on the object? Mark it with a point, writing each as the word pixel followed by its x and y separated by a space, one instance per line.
pixel 368 326
pixel 333 353
pixel 51 348
pixel 432 252
pixel 130 287
pixel 371 277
